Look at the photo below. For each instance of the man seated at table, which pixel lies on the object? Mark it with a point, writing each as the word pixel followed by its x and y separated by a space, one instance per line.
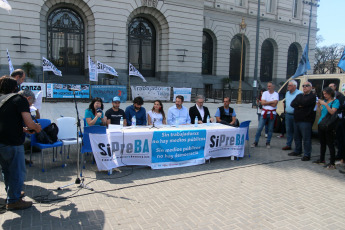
pixel 136 110
pixel 178 111
pixel 200 111
pixel 114 114
pixel 226 115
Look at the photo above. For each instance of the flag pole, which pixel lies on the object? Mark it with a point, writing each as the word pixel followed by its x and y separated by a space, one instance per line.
pixel 129 87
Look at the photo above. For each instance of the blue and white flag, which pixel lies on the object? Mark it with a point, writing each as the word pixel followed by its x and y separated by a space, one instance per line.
pixel 10 62
pixel 341 63
pixel 303 65
pixel 103 68
pixel 134 72
pixel 93 76
pixel 48 66
pixel 4 4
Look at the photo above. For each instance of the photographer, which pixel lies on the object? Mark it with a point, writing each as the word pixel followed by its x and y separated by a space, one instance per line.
pixel 94 114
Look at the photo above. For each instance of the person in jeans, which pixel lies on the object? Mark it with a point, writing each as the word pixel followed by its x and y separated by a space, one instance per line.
pixel 269 101
pixel 328 105
pixel 304 117
pixel 290 95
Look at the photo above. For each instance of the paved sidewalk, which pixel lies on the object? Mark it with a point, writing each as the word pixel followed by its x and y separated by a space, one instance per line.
pixel 269 190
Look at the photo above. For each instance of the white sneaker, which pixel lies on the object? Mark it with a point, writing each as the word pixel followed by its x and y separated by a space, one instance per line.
pixel 266 135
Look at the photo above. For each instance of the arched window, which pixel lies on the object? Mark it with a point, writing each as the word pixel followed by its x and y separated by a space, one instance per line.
pixel 66 41
pixel 207 53
pixel 292 61
pixel 142 46
pixel 235 58
pixel 266 69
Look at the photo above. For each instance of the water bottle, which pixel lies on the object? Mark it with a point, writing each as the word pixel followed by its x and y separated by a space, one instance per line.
pixel 208 120
pixel 121 122
pixel 134 121
pixel 177 122
pixel 196 121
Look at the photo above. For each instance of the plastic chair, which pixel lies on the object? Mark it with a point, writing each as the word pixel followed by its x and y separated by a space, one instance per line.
pixel 86 147
pixel 68 132
pixel 44 123
pixel 245 124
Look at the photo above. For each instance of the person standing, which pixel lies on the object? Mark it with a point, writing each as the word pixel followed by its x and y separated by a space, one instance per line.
pixel 199 110
pixel 136 110
pixel 19 76
pixel 338 95
pixel 259 109
pixel 289 112
pixel 13 114
pixel 178 112
pixel 114 114
pixel 304 117
pixel 269 101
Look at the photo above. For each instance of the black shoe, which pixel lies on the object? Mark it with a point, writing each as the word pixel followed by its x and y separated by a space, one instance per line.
pixel 294 154
pixel 27 162
pixel 305 158
pixel 342 171
pixel 320 162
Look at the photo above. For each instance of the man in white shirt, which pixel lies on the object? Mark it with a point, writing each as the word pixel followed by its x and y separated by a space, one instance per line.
pixel 179 112
pixel 269 101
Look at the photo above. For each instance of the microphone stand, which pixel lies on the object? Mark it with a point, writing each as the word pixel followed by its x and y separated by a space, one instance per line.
pixel 153 124
pixel 78 180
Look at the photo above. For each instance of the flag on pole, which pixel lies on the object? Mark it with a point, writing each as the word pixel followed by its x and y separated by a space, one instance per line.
pixel 48 66
pixel 303 65
pixel 341 63
pixel 134 72
pixel 4 4
pixel 93 76
pixel 10 62
pixel 103 68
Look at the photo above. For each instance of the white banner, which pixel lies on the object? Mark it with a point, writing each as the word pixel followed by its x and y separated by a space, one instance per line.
pixel 48 66
pixel 103 68
pixel 93 76
pixel 151 93
pixel 34 87
pixel 225 142
pixel 134 72
pixel 101 148
pixel 4 4
pixel 9 62
pixel 185 92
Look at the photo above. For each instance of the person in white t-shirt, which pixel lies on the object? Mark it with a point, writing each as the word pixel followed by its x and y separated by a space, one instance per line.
pixel 156 116
pixel 269 101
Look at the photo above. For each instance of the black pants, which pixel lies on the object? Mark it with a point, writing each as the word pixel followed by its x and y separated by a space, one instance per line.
pixel 340 137
pixel 327 139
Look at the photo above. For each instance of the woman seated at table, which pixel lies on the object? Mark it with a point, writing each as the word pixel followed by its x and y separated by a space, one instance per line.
pixel 94 114
pixel 156 115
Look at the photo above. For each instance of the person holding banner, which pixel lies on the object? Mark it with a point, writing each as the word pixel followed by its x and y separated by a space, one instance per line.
pixel 156 116
pixel 19 76
pixel 178 114
pixel 94 114
pixel 136 110
pixel 114 114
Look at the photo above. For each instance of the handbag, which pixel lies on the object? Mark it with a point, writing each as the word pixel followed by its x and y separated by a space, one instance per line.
pixel 329 122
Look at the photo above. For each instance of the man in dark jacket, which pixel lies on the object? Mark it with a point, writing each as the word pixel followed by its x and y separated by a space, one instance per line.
pixel 200 111
pixel 304 117
pixel 226 115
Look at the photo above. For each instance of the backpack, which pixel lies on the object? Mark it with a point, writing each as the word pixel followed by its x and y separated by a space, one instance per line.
pixel 48 135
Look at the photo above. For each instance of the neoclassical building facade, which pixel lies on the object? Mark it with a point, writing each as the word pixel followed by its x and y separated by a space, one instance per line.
pixel 190 43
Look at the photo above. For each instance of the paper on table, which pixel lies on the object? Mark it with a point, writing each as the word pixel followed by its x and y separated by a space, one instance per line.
pixel 38 103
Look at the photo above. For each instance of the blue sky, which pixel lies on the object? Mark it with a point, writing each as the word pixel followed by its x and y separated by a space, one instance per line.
pixel 330 22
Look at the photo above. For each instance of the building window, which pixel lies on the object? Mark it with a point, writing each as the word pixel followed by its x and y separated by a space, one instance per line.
pixel 235 58
pixel 266 69
pixel 142 46
pixel 269 6
pixel 292 61
pixel 66 41
pixel 295 8
pixel 207 53
pixel 239 2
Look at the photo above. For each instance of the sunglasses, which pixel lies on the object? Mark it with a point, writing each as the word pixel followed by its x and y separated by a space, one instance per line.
pixel 305 86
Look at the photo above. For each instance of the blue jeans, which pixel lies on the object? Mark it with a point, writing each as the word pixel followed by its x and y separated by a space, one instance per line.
pixel 289 124
pixel 12 161
pixel 302 131
pixel 262 123
pixel 266 126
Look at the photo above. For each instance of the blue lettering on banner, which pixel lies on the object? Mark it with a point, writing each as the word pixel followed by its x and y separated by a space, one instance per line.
pixel 178 146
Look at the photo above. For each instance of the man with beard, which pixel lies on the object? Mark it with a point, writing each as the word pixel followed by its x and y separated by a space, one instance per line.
pixel 136 110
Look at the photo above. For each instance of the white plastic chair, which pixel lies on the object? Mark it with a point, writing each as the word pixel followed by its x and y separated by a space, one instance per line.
pixel 68 132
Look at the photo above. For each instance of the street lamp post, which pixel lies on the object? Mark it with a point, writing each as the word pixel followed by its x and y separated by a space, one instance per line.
pixel 256 56
pixel 243 26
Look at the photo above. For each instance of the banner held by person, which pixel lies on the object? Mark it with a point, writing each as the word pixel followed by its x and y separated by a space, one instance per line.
pixel 48 66
pixel 304 64
pixel 93 76
pixel 5 5
pixel 103 68
pixel 10 62
pixel 341 63
pixel 134 72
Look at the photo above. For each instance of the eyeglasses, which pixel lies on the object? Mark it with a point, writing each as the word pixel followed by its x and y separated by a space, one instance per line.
pixel 305 86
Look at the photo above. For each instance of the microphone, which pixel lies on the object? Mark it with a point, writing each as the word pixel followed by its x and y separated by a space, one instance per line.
pixel 71 89
pixel 99 110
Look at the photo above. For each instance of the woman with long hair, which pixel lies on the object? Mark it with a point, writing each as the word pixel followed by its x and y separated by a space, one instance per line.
pixel 156 115
pixel 94 114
